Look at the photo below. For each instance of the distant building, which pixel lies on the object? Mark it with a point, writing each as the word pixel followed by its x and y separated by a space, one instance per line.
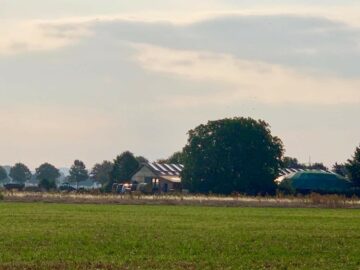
pixel 305 181
pixel 164 177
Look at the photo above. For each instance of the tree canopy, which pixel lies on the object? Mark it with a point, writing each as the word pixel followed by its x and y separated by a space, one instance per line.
pixel 3 174
pixel 293 163
pixel 232 155
pixel 124 166
pixel 20 173
pixel 47 184
pixel 176 158
pixel 340 169
pixel 101 172
pixel 47 171
pixel 141 159
pixel 78 172
pixel 353 167
pixel 317 166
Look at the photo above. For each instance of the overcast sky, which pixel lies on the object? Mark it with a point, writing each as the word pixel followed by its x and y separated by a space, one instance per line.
pixel 87 80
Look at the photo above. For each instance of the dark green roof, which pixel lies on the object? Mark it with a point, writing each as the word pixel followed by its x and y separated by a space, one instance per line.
pixel 318 181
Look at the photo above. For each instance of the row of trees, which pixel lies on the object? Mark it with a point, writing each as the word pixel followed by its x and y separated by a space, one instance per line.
pixel 223 156
pixel 289 162
pixel 106 173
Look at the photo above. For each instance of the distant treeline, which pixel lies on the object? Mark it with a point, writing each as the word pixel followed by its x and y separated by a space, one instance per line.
pixel 224 156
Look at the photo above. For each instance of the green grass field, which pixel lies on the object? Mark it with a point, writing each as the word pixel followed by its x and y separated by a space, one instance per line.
pixel 55 236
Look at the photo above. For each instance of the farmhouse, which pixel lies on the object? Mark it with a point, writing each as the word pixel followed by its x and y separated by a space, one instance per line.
pixel 165 177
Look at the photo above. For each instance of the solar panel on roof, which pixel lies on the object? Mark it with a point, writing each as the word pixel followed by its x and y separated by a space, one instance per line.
pixel 152 165
pixel 161 167
pixel 169 167
pixel 179 169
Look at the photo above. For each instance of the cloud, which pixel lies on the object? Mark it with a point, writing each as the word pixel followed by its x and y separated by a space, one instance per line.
pixel 180 72
pixel 37 35
pixel 307 43
pixel 29 36
pixel 273 59
pixel 245 79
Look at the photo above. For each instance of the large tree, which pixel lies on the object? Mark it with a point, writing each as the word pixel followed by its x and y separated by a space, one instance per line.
pixel 101 172
pixel 20 173
pixel 340 169
pixel 232 155
pixel 141 159
pixel 293 163
pixel 353 167
pixel 124 167
pixel 78 172
pixel 177 158
pixel 317 166
pixel 3 174
pixel 48 172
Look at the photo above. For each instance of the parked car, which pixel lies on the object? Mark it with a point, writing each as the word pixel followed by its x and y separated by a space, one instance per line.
pixel 14 186
pixel 66 187
pixel 123 188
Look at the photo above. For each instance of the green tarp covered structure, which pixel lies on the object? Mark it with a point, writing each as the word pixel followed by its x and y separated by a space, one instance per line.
pixel 316 181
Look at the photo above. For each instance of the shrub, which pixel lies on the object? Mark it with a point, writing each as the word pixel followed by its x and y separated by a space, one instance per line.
pixel 47 184
pixel 286 188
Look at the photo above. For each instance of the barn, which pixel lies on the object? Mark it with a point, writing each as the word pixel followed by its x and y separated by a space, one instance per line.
pixel 163 177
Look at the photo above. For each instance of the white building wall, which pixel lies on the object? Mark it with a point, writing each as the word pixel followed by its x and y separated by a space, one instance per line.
pixel 143 173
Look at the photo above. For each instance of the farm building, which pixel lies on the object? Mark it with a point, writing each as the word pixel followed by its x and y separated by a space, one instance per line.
pixel 305 181
pixel 165 177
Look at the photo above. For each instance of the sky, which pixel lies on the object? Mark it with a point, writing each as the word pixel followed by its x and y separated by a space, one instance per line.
pixel 87 80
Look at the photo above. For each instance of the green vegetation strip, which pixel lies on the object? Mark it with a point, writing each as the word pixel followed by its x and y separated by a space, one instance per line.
pixel 56 236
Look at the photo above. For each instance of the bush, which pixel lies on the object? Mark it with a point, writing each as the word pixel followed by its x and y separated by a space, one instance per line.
pixel 286 188
pixel 47 184
pixel 1 196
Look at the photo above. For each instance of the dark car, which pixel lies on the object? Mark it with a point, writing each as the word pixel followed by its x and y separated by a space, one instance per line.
pixel 14 186
pixel 66 187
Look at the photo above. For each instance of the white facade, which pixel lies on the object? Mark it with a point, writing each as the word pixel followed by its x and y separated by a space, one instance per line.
pixel 165 180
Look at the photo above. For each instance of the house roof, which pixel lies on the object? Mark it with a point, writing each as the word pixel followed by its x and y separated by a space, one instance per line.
pixel 287 171
pixel 165 169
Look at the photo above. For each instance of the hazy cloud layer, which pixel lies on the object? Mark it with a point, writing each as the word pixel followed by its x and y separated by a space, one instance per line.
pixel 91 88
pixel 315 44
pixel 248 80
